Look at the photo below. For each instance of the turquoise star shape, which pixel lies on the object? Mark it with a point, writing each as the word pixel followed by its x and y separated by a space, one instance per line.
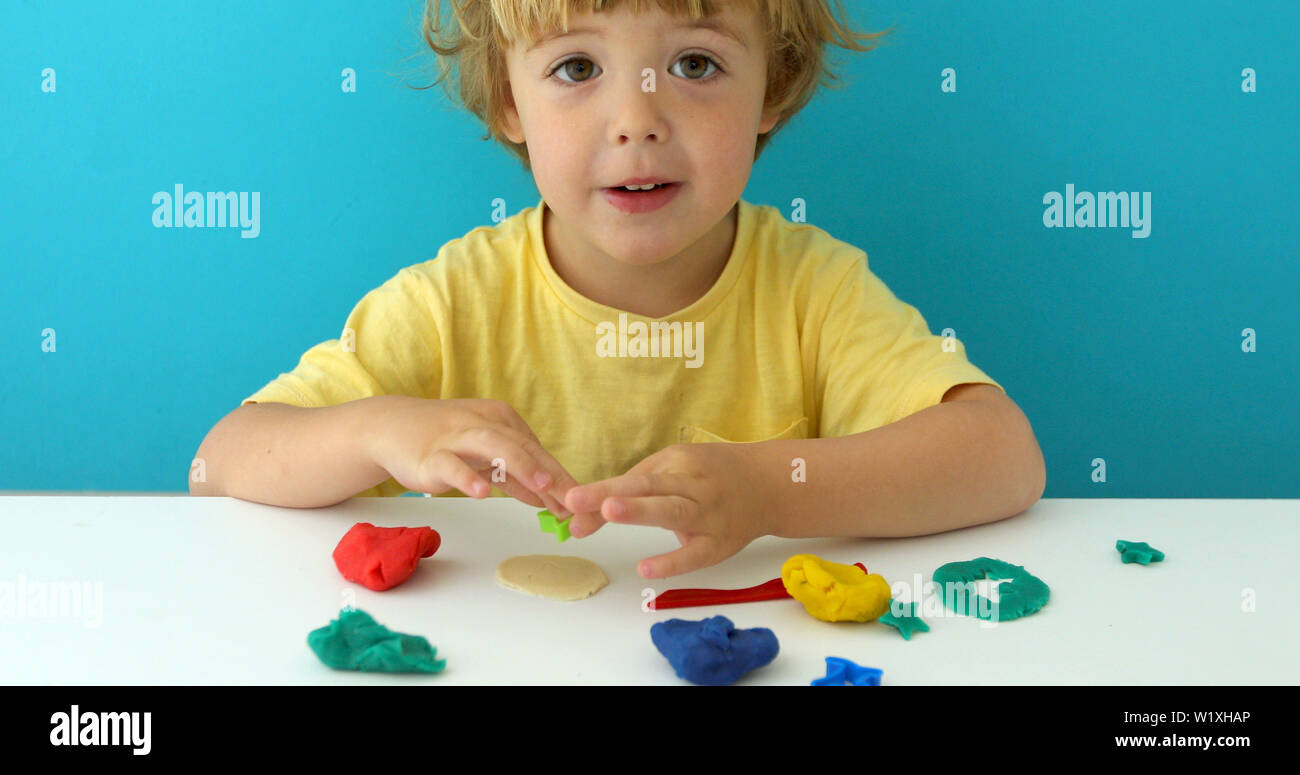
pixel 1138 551
pixel 552 524
pixel 907 623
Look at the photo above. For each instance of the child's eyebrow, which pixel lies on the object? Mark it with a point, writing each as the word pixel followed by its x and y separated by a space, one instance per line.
pixel 714 24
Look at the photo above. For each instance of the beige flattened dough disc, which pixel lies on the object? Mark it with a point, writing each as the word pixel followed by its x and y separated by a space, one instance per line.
pixel 552 576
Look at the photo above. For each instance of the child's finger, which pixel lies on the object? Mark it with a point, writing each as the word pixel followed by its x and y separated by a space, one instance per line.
pixel 585 523
pixel 542 500
pixel 633 484
pixel 695 554
pixel 671 512
pixel 502 446
pixel 545 488
pixel 514 489
pixel 561 481
pixel 446 467
pixel 558 479
pixel 555 507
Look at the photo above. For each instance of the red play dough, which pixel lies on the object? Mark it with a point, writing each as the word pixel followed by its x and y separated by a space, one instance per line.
pixel 380 558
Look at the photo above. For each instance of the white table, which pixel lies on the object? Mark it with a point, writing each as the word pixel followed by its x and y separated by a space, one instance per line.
pixel 223 591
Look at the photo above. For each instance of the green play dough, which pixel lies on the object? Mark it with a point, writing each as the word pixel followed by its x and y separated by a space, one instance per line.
pixel 355 641
pixel 908 620
pixel 1022 596
pixel 1139 552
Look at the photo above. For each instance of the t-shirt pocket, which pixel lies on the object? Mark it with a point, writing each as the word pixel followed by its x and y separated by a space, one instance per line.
pixel 694 434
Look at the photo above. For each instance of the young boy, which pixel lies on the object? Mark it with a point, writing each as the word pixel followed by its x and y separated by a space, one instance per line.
pixel 674 357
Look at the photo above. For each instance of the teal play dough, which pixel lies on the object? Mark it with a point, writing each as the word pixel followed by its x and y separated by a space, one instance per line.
pixel 355 641
pixel 908 620
pixel 1023 595
pixel 1139 552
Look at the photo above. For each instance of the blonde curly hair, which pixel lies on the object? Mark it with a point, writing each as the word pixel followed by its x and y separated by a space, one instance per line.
pixel 483 30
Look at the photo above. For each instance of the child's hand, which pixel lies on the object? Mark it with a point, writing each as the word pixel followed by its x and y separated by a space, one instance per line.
pixel 707 494
pixel 435 445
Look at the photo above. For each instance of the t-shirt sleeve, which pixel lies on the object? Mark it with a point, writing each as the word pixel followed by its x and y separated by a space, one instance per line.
pixel 389 345
pixel 878 361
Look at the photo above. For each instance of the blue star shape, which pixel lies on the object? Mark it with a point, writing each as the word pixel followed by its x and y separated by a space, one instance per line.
pixel 840 671
pixel 1138 551
pixel 906 623
pixel 552 524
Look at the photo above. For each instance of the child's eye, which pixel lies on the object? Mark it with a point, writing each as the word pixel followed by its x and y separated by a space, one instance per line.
pixel 586 68
pixel 564 67
pixel 702 58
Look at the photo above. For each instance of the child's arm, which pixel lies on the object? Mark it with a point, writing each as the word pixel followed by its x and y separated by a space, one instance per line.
pixel 311 457
pixel 291 456
pixel 969 460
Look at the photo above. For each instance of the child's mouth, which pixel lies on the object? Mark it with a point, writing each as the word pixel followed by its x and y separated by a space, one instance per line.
pixel 633 202
pixel 642 190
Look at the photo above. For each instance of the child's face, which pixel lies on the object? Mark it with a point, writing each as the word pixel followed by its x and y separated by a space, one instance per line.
pixel 590 125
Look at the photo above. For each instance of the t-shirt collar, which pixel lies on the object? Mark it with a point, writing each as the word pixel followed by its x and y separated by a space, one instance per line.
pixel 596 312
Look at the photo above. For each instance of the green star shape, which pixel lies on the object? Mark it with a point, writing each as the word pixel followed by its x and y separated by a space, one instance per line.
pixel 906 624
pixel 1138 551
pixel 552 524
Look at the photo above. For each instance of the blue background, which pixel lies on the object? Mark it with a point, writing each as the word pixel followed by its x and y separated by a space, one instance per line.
pixel 1116 348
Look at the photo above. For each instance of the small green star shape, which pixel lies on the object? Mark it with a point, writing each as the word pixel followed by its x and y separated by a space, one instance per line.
pixel 1138 551
pixel 552 524
pixel 907 623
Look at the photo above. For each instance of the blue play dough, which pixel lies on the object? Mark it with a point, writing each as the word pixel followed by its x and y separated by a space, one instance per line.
pixel 712 652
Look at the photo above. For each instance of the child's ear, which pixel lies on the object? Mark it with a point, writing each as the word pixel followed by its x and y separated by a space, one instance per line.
pixel 511 126
pixel 769 120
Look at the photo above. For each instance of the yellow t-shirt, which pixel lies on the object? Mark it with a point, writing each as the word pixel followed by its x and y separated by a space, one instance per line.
pixel 797 338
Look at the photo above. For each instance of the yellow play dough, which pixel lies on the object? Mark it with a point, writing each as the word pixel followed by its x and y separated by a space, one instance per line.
pixel 552 576
pixel 833 592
